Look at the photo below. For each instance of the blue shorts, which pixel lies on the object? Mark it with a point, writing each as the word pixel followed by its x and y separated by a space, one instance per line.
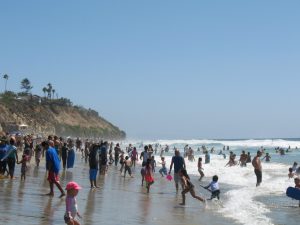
pixel 163 170
pixel 93 174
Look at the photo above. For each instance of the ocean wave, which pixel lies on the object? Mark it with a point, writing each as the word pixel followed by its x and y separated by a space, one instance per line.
pixel 241 202
pixel 232 143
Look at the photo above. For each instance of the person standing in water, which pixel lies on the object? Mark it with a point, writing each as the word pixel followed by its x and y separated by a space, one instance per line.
pixel 93 163
pixel 71 204
pixel 148 175
pixel 12 157
pixel 248 158
pixel 200 168
pixel 207 157
pixel 145 156
pixel 267 157
pixel 53 166
pixel 118 151
pixel 64 154
pixel 257 168
pixel 179 164
pixel 134 156
pixel 23 166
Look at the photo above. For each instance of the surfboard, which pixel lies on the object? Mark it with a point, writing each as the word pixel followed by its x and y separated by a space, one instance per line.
pixel 71 159
pixel 293 193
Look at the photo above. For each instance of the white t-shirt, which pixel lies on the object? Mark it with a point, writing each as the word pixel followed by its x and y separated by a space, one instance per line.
pixel 214 186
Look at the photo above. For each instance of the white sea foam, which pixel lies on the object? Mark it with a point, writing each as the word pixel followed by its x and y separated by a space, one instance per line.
pixel 240 143
pixel 241 202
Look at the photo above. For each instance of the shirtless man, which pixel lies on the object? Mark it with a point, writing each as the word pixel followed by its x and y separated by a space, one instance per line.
pixel 257 167
pixel 243 159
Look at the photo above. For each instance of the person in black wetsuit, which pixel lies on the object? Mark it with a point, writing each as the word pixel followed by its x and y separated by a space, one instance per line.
pixel 64 155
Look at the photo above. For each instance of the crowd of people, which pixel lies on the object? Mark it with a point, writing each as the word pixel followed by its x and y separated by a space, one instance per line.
pixel 99 155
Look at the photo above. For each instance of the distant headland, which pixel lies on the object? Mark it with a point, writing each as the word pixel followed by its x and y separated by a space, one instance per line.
pixel 48 114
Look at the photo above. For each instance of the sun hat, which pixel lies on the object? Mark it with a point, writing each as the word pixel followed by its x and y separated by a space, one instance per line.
pixel 73 185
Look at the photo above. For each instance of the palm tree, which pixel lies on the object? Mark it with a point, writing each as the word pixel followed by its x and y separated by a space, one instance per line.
pixel 53 91
pixel 49 90
pixel 5 76
pixel 26 85
pixel 45 90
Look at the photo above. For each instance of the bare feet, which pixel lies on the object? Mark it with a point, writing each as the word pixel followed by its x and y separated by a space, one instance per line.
pixel 62 195
pixel 50 194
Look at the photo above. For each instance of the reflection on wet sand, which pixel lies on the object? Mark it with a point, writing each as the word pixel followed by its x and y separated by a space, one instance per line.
pixel 117 201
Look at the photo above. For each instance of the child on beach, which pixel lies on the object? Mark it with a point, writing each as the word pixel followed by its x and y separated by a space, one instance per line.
pixel 128 165
pixel 200 168
pixel 38 154
pixel 122 161
pixel 23 166
pixel 148 175
pixel 71 204
pixel 134 156
pixel 163 169
pixel 153 163
pixel 214 188
pixel 187 186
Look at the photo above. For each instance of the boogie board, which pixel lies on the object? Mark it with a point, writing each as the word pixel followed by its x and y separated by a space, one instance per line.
pixel 70 159
pixel 293 193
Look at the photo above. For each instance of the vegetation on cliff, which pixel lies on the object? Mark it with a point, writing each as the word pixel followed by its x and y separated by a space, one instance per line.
pixel 49 115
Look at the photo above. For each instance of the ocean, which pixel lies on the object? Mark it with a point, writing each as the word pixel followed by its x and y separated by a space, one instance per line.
pixel 242 201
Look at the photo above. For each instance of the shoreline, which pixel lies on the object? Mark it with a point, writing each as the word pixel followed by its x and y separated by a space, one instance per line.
pixel 118 200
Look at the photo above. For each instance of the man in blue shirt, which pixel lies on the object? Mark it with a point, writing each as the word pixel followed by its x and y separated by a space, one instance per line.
pixel 3 151
pixel 53 166
pixel 179 164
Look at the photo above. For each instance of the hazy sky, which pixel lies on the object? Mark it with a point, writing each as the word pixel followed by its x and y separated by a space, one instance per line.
pixel 163 69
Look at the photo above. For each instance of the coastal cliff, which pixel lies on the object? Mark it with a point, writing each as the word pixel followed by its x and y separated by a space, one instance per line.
pixel 54 116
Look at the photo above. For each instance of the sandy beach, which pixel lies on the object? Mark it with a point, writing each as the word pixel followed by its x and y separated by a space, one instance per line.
pixel 118 201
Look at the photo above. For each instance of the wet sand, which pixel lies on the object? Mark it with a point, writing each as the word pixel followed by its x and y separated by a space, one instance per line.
pixel 118 201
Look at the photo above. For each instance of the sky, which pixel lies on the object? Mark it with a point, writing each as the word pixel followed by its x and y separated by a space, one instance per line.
pixel 163 69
